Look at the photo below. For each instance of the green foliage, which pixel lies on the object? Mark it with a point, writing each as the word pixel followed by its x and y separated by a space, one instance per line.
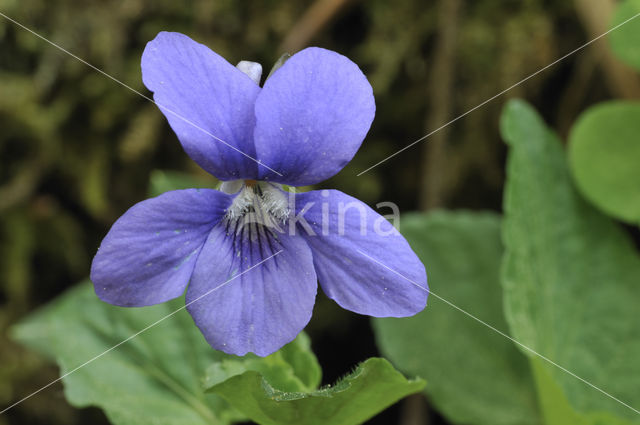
pixel 604 154
pixel 294 368
pixel 475 375
pixel 162 181
pixel 372 387
pixel 570 278
pixel 153 378
pixel 626 39
pixel 553 401
pixel 156 376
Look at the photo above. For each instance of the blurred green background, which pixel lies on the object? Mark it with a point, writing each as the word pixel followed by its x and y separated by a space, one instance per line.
pixel 77 149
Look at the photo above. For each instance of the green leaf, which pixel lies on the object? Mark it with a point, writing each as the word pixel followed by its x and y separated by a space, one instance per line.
pixel 156 376
pixel 553 402
pixel 371 388
pixel 162 181
pixel 475 375
pixel 294 368
pixel 625 40
pixel 570 277
pixel 153 378
pixel 604 153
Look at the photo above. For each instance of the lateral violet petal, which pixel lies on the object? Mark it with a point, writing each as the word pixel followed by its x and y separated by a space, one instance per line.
pixel 208 102
pixel 360 258
pixel 149 254
pixel 262 303
pixel 311 117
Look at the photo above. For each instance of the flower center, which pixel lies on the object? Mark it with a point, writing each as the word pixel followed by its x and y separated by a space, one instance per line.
pixel 256 202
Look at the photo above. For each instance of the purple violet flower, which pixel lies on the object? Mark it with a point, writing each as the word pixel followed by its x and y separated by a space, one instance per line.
pixel 302 127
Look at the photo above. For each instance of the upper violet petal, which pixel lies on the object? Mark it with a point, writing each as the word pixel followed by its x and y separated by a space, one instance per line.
pixel 362 262
pixel 208 102
pixel 149 254
pixel 252 291
pixel 311 117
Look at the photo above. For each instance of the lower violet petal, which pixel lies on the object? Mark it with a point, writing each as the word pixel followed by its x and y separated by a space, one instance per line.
pixel 252 289
pixel 362 262
pixel 149 254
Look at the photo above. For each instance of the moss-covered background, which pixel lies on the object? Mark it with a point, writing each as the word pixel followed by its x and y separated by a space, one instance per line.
pixel 77 149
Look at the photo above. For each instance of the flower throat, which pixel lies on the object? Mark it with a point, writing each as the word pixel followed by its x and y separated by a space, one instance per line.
pixel 256 202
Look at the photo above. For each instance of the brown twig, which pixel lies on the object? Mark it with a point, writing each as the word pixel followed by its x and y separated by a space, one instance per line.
pixel 23 185
pixel 433 186
pixel 414 410
pixel 574 95
pixel 313 20
pixel 596 17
